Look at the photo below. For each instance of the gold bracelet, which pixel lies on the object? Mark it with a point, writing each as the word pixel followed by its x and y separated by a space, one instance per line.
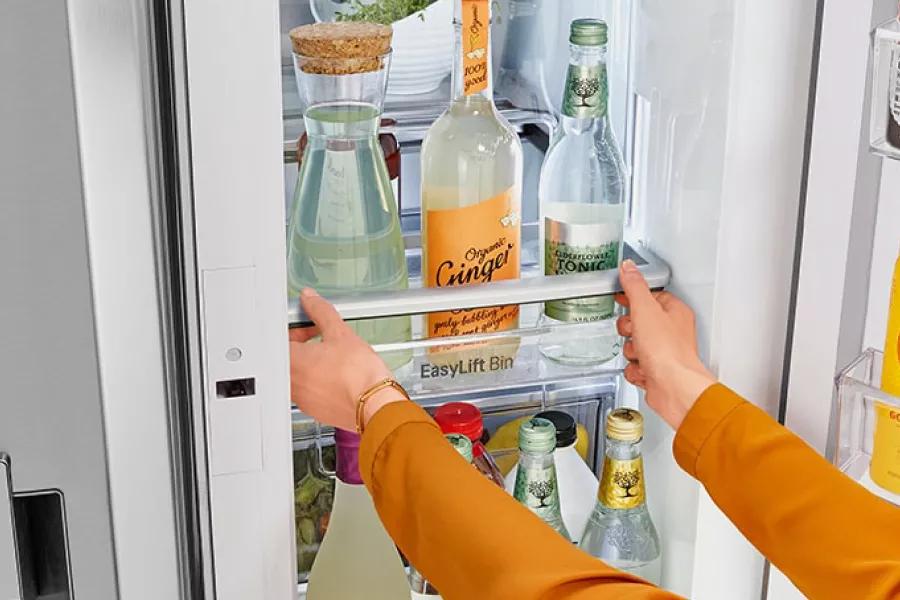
pixel 371 391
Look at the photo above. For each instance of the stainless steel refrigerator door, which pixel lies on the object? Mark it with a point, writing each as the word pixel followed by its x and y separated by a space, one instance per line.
pixel 10 579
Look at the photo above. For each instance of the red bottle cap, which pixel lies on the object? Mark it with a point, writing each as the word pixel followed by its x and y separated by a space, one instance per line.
pixel 460 417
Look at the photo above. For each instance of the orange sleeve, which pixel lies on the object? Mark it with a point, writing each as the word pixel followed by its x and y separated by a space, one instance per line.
pixel 830 536
pixel 465 534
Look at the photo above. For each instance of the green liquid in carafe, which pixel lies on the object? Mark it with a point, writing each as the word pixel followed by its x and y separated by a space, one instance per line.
pixel 344 232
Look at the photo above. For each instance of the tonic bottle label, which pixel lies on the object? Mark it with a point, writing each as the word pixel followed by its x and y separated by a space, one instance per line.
pixel 586 91
pixel 885 467
pixel 475 244
pixel 572 248
pixel 475 31
pixel 537 489
pixel 622 483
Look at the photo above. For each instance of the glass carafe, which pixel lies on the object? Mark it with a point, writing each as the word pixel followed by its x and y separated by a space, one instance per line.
pixel 344 234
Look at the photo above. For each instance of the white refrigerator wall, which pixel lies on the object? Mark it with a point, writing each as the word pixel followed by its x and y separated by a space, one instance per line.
pixel 720 133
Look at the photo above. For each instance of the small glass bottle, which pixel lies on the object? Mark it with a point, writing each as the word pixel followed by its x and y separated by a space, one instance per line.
pixel 536 484
pixel 884 136
pixel 620 531
pixel 421 587
pixel 357 558
pixel 464 418
pixel 582 195
pixel 577 483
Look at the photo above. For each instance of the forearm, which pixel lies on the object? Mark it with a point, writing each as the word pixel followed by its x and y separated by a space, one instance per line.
pixel 829 535
pixel 466 534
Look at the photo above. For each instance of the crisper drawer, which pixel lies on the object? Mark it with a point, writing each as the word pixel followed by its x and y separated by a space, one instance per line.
pixel 587 401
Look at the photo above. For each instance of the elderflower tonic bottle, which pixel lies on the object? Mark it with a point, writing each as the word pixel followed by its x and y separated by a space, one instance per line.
pixel 582 201
pixel 536 484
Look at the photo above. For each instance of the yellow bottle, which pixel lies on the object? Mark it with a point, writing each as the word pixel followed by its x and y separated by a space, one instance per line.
pixel 885 467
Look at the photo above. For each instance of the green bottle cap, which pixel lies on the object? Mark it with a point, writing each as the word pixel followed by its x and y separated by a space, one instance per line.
pixel 537 436
pixel 588 32
pixel 461 444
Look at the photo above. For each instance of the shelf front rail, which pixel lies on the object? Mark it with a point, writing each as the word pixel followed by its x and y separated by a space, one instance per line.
pixel 377 305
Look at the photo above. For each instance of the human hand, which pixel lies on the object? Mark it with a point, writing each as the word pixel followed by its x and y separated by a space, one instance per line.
pixel 662 349
pixel 329 375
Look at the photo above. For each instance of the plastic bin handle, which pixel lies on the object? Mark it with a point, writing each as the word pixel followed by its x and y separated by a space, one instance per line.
pixel 377 305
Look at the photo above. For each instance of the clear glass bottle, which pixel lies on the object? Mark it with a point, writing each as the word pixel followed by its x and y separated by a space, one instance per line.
pixel 536 483
pixel 465 418
pixel 620 531
pixel 421 587
pixel 884 135
pixel 471 187
pixel 582 200
pixel 357 558
pixel 344 234
pixel 577 483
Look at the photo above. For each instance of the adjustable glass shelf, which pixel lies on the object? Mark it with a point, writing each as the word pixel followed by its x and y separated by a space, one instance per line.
pixel 508 362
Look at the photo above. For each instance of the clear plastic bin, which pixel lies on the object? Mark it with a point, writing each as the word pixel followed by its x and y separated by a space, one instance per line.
pixel 884 137
pixel 854 431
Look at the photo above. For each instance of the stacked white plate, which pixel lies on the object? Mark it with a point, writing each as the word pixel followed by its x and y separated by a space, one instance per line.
pixel 422 50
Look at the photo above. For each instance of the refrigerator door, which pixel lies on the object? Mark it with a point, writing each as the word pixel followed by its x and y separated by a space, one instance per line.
pixel 847 241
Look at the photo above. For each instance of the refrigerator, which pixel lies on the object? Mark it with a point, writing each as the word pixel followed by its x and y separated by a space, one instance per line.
pixel 147 168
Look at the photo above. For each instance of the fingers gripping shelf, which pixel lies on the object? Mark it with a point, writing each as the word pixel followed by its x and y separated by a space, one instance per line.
pixel 458 367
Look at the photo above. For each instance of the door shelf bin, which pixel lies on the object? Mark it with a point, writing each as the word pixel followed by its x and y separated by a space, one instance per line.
pixel 587 403
pixel 480 364
pixel 853 432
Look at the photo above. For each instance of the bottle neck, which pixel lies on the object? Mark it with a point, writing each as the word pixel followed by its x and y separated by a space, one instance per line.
pixel 586 92
pixel 535 459
pixel 471 76
pixel 622 481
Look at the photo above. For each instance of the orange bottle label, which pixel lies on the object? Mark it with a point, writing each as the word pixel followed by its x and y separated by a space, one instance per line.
pixel 885 467
pixel 475 244
pixel 475 31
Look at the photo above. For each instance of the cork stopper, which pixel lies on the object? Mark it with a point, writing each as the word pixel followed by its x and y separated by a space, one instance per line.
pixel 341 48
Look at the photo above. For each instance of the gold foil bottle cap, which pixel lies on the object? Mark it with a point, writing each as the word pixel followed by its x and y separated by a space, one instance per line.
pixel 625 425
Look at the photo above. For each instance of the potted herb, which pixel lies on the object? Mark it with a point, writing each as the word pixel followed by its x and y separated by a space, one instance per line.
pixel 422 43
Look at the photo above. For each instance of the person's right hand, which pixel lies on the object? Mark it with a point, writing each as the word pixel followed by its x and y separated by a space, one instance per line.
pixel 662 349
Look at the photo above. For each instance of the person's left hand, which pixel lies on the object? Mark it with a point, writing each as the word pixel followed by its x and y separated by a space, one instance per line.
pixel 329 375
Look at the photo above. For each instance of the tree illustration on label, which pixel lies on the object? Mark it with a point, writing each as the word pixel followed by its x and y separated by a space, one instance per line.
pixel 627 480
pixel 541 490
pixel 584 88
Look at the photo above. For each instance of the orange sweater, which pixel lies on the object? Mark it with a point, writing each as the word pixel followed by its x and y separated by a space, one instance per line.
pixel 829 535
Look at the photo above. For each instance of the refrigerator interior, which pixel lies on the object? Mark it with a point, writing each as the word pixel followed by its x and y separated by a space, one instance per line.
pixel 671 129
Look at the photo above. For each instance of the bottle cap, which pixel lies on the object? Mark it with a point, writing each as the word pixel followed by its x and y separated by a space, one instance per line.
pixel 460 417
pixel 566 431
pixel 537 436
pixel 347 456
pixel 588 32
pixel 461 444
pixel 625 425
